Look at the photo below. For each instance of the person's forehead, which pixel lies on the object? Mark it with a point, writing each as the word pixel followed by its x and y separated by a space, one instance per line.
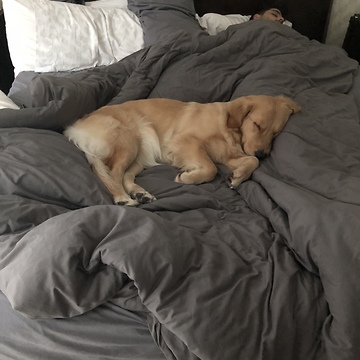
pixel 275 10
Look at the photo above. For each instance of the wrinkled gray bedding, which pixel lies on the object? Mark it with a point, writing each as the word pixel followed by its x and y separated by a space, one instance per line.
pixel 108 333
pixel 267 271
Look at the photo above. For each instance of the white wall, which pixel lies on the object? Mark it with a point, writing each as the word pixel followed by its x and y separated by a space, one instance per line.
pixel 340 15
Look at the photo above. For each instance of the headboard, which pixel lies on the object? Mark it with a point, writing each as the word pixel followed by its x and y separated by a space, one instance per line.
pixel 309 17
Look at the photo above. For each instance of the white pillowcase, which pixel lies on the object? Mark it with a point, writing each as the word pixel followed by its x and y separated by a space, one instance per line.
pixel 6 102
pixel 214 23
pixel 95 36
pixel 108 4
pixel 58 36
pixel 21 34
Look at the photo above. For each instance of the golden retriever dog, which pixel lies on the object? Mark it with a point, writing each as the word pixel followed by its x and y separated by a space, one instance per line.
pixel 119 141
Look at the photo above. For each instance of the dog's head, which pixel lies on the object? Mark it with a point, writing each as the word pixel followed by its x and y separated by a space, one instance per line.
pixel 259 119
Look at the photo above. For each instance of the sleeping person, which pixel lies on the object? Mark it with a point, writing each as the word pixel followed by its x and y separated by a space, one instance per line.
pixel 215 23
pixel 270 13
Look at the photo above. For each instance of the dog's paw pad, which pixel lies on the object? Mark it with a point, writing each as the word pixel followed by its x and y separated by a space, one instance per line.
pixel 142 197
pixel 146 199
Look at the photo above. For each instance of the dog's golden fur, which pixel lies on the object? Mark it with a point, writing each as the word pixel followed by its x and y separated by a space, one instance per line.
pixel 121 140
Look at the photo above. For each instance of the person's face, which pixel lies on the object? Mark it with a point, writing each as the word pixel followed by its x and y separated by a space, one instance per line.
pixel 271 14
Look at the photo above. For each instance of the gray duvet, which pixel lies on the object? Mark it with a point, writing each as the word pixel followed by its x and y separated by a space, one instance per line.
pixel 267 271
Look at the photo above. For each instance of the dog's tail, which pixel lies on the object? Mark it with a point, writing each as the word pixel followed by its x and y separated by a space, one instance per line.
pixel 92 146
pixel 102 171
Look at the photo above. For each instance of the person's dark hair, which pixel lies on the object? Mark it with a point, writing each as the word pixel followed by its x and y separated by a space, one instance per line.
pixel 267 5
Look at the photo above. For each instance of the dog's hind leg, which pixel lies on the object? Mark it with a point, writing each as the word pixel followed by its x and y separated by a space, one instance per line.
pixel 112 179
pixel 136 192
pixel 123 172
pixel 148 153
pixel 112 169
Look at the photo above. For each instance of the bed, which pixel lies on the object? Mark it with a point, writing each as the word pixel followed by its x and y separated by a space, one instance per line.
pixel 268 270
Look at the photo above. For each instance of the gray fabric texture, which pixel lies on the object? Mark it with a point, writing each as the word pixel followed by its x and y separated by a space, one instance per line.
pixel 266 271
pixel 161 18
pixel 108 332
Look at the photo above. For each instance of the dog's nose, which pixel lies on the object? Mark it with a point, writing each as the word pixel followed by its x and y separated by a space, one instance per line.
pixel 260 154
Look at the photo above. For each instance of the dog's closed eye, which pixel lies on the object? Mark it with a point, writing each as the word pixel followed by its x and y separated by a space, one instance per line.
pixel 257 126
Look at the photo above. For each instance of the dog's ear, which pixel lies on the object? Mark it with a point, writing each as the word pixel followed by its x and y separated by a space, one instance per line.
pixel 237 111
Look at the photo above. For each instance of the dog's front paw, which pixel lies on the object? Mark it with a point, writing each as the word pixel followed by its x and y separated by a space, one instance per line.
pixel 178 177
pixel 246 166
pixel 234 182
pixel 228 181
pixel 142 197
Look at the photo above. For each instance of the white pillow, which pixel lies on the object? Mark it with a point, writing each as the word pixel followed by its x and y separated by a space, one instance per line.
pixel 108 4
pixel 21 34
pixel 6 102
pixel 214 23
pixel 58 36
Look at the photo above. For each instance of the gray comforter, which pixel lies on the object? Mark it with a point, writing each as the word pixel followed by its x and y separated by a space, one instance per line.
pixel 269 270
